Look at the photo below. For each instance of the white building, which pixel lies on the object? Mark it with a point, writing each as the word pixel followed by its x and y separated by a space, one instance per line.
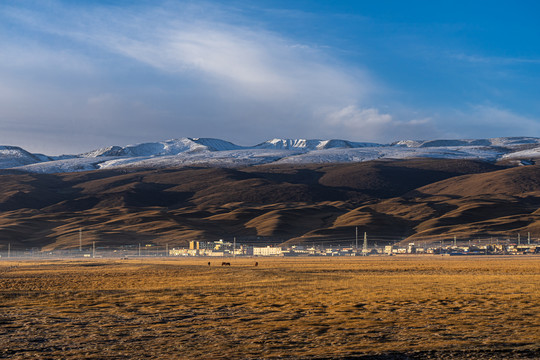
pixel 266 251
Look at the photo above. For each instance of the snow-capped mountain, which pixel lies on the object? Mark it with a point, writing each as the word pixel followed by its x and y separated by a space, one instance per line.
pixel 311 144
pixel 502 142
pixel 164 148
pixel 13 156
pixel 216 152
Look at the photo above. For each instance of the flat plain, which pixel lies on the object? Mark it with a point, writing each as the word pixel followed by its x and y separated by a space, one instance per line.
pixel 308 308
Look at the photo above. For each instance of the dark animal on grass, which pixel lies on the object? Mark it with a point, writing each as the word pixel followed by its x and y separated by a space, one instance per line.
pixel 209 263
pixel 256 263
pixel 225 264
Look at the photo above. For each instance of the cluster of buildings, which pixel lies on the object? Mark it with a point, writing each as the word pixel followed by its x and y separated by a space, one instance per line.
pixel 224 248
pixel 470 249
pixel 231 249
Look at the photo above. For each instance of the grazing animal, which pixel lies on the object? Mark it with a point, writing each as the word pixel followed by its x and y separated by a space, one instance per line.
pixel 209 263
pixel 225 264
pixel 256 263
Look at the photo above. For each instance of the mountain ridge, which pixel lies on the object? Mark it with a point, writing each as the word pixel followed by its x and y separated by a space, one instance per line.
pixel 216 152
pixel 391 200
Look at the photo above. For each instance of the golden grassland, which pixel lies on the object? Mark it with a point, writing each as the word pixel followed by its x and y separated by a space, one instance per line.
pixel 363 308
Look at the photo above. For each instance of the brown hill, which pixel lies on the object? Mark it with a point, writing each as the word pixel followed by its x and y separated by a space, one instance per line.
pixel 498 203
pixel 420 198
pixel 516 181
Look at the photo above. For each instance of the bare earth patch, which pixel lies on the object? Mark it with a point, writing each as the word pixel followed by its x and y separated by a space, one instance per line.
pixel 308 308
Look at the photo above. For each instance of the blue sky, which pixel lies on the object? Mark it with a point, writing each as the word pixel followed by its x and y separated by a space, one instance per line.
pixel 77 75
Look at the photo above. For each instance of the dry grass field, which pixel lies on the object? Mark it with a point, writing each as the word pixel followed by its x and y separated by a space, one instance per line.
pixel 309 308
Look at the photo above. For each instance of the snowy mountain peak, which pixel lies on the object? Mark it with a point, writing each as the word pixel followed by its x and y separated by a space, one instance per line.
pixel 216 144
pixel 12 156
pixel 164 148
pixel 289 144
pixel 215 152
pixel 106 151
pixel 311 144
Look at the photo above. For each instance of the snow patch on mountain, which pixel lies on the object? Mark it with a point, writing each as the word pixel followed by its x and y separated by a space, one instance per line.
pixel 215 152
pixel 12 156
pixel 513 141
pixel 310 145
pixel 66 165
pixel 392 152
pixel 42 157
pixel 501 142
pixel 226 158
pixel 216 144
pixel 165 148
pixel 533 153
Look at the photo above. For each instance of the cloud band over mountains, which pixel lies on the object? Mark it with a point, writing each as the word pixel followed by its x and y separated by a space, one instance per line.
pixel 75 77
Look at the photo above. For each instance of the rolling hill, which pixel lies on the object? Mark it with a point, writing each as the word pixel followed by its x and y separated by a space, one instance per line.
pixel 411 199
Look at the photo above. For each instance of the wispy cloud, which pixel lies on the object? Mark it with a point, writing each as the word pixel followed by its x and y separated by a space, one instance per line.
pixel 496 60
pixel 167 38
pixel 371 124
pixel 106 74
pixel 209 77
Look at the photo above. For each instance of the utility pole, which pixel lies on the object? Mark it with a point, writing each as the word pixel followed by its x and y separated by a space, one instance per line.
pixel 80 239
pixel 455 241
pixel 167 249
pixel 365 244
pixel 234 246
pixel 356 248
pixel 528 238
pixel 139 249
pixel 9 250
pixel 93 249
pixel 519 239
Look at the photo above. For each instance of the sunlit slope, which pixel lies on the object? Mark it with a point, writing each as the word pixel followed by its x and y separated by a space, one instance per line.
pixel 497 203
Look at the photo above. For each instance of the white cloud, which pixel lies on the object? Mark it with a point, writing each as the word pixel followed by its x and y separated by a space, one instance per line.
pixel 498 60
pixel 102 75
pixel 250 62
pixel 371 124
pixel 157 73
pixel 352 117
